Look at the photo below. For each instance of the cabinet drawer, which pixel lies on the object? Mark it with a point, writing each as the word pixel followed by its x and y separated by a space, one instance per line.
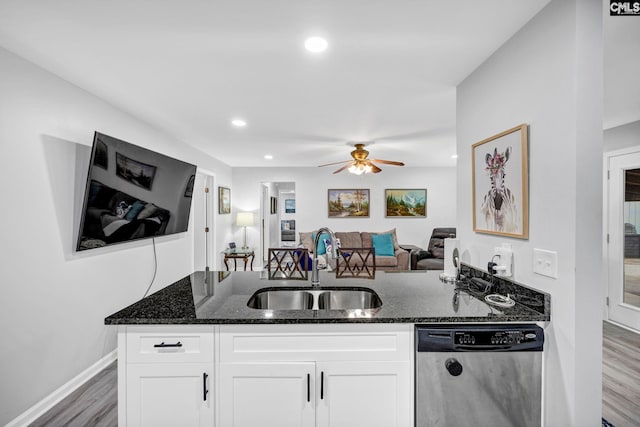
pixel 169 344
pixel 240 343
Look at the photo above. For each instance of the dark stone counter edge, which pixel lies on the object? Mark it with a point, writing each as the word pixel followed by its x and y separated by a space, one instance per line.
pixel 191 321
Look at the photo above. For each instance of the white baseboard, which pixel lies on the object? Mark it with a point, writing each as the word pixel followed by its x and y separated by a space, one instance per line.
pixel 37 410
pixel 628 328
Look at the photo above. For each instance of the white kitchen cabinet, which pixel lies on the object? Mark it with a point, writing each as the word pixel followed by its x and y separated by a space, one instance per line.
pixel 166 376
pixel 267 394
pixel 169 395
pixel 368 393
pixel 355 374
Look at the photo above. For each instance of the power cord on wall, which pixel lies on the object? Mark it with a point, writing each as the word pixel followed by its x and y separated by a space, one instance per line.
pixel 491 266
pixel 155 267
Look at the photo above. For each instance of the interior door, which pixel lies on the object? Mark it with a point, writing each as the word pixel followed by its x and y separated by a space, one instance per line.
pixel 202 214
pixel 264 223
pixel 624 239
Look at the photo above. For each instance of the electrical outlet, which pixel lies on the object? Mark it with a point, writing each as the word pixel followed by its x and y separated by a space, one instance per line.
pixel 545 263
pixel 504 260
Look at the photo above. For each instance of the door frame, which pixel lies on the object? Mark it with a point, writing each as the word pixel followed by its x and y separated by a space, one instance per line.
pixel 613 241
pixel 203 216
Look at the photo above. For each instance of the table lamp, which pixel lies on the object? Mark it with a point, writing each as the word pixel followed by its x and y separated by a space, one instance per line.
pixel 244 219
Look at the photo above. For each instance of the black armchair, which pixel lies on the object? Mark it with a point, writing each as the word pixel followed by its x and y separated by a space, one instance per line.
pixel 433 257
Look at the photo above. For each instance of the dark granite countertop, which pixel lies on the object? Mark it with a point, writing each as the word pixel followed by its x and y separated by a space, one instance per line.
pixel 407 297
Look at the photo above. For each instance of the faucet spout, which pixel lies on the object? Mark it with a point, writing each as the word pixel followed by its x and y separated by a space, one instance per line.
pixel 315 279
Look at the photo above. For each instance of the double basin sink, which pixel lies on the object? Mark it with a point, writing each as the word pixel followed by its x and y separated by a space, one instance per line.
pixel 320 298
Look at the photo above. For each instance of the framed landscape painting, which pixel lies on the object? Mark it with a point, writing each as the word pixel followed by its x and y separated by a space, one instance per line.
pixel 224 200
pixel 406 203
pixel 290 206
pixel 351 203
pixel 500 176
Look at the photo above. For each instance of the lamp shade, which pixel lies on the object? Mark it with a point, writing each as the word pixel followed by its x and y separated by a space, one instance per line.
pixel 244 219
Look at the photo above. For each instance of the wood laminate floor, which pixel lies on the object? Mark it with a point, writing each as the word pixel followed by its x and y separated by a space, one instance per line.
pixel 95 403
pixel 620 376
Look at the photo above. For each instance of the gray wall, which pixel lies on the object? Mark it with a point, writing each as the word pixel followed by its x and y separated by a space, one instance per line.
pixel 549 75
pixel 624 136
pixel 54 300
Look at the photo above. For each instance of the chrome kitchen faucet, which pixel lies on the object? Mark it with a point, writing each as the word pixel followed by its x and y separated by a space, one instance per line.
pixel 315 280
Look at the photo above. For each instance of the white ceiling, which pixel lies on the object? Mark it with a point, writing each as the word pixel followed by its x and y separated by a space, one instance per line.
pixel 189 67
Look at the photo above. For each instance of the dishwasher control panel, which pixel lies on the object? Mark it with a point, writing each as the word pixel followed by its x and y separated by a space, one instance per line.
pixel 479 338
pixel 494 337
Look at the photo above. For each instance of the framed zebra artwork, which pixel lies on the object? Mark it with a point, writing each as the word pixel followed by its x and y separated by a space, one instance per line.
pixel 500 173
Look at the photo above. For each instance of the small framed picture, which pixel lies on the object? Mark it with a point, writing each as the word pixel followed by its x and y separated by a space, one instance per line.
pixel 290 206
pixel 224 200
pixel 232 245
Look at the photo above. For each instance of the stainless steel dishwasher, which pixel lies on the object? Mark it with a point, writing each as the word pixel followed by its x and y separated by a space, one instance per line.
pixel 479 375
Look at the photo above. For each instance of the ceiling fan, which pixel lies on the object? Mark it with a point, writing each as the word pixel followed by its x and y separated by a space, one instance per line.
pixel 360 164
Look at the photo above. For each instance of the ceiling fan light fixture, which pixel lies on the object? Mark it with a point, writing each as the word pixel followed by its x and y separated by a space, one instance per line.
pixel 359 169
pixel 361 164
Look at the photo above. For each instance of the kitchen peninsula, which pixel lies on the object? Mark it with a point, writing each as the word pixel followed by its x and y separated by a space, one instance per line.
pixel 194 353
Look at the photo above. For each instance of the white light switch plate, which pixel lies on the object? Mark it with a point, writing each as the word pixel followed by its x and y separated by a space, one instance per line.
pixel 545 263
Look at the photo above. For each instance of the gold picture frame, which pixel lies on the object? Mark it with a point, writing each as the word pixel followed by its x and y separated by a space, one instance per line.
pixel 405 202
pixel 224 201
pixel 500 175
pixel 348 203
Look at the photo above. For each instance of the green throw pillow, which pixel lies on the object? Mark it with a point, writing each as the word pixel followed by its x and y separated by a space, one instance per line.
pixel 383 244
pixel 322 249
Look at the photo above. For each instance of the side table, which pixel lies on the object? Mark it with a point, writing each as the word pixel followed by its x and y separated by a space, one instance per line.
pixel 238 253
pixel 410 249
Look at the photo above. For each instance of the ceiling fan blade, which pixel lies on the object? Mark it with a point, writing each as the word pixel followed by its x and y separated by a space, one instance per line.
pixel 388 162
pixel 335 163
pixel 374 168
pixel 343 168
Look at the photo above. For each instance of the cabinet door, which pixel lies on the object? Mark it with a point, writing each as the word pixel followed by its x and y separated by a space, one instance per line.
pixel 267 394
pixel 368 394
pixel 169 395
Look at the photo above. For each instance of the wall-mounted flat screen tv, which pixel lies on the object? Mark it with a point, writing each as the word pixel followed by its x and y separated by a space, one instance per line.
pixel 133 193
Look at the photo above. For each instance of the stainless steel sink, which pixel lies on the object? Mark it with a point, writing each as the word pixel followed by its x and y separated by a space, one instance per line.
pixel 281 299
pixel 322 298
pixel 349 299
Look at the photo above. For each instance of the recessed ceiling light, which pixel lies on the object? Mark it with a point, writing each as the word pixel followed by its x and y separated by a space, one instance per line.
pixel 316 44
pixel 268 156
pixel 239 123
pixel 454 156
